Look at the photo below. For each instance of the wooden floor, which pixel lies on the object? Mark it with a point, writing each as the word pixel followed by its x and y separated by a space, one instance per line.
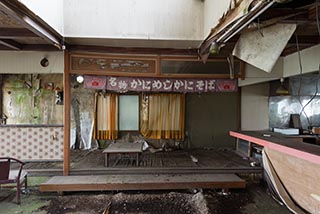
pixel 169 162
pixel 141 182
pixel 180 169
pixel 180 158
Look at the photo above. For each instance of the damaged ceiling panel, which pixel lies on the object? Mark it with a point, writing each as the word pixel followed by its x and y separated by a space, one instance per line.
pixel 262 48
pixel 240 14
pixel 251 15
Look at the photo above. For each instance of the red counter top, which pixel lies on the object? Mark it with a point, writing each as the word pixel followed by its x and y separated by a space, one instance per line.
pixel 282 143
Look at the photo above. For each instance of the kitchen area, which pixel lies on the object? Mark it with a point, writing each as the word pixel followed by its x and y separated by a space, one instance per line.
pixel 283 137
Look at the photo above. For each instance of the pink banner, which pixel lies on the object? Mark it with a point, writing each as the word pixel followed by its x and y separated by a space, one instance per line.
pixel 124 84
pixel 226 85
pixel 95 82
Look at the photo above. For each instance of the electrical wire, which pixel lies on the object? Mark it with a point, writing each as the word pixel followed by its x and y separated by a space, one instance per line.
pixel 300 84
pixel 300 81
pixel 317 16
pixel 318 78
pixel 314 95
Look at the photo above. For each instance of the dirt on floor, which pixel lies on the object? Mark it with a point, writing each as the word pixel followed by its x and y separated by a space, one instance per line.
pixel 167 203
pixel 252 200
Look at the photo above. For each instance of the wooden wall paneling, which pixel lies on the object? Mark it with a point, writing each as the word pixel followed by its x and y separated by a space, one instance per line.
pixel 242 74
pixel 196 76
pixel 158 66
pixel 190 58
pixel 67 98
pixel 1 91
pixel 132 51
pixel 107 64
pixel 90 66
pixel 196 59
pixel 300 178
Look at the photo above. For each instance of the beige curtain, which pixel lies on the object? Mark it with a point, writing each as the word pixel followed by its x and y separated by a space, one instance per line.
pixel 106 117
pixel 162 116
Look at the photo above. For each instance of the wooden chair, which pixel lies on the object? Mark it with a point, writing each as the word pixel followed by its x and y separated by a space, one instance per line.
pixel 8 176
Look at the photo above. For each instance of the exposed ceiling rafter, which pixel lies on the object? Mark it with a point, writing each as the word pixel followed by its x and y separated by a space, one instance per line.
pixel 233 22
pixel 11 44
pixel 302 13
pixel 30 21
pixel 16 33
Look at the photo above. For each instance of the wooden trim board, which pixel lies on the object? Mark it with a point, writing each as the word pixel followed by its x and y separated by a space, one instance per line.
pixel 299 177
pixel 141 182
pixel 66 115
pixel 146 171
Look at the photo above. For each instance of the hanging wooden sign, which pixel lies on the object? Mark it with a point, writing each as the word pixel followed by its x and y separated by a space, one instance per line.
pixel 114 64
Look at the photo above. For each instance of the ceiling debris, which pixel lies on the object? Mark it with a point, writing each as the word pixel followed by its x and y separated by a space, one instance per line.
pixel 255 16
pixel 238 16
pixel 262 48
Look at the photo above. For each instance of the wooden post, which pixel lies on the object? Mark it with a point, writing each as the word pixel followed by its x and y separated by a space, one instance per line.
pixel 66 140
pixel 242 74
pixel 158 66
pixel 1 91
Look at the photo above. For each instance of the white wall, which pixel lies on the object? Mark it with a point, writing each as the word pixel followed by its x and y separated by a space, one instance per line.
pixel 285 67
pixel 255 75
pixel 51 11
pixel 213 11
pixel 27 62
pixel 255 107
pixel 135 19
pixel 310 60
pixel 254 97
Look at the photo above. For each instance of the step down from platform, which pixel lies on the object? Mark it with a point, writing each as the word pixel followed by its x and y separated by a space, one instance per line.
pixel 141 182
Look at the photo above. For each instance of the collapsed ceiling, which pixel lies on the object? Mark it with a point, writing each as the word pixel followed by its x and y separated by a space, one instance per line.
pixel 260 14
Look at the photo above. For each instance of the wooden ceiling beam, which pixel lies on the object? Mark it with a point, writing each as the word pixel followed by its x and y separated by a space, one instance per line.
pixel 313 12
pixel 295 14
pixel 38 47
pixel 11 44
pixel 305 40
pixel 137 50
pixel 32 22
pixel 4 48
pixel 13 33
pixel 29 47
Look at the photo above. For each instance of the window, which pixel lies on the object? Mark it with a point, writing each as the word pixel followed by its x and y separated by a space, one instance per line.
pixel 128 113
pixel 161 115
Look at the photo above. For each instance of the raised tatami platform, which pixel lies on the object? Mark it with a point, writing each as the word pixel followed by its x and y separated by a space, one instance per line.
pixel 84 162
pixel 142 182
